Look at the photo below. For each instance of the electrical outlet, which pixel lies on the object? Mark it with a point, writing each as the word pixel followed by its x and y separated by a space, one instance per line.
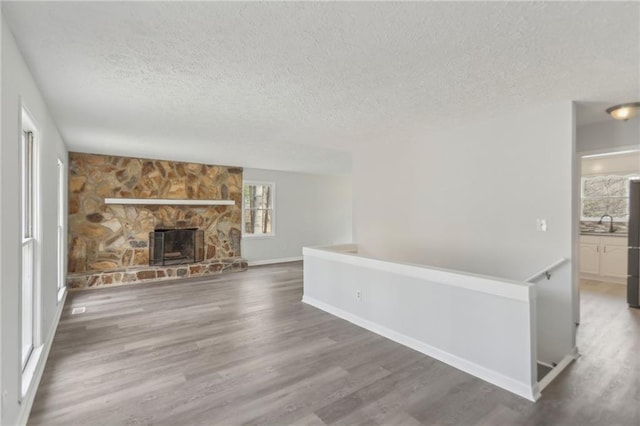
pixel 359 295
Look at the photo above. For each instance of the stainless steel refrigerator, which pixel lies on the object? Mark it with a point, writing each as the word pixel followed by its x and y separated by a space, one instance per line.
pixel 633 277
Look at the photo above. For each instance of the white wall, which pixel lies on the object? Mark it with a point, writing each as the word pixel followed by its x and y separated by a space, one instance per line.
pixel 468 199
pixel 612 164
pixel 609 135
pixel 311 210
pixel 18 87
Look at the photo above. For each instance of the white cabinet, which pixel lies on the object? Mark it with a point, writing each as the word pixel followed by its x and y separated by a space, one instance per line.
pixel 589 258
pixel 614 261
pixel 603 258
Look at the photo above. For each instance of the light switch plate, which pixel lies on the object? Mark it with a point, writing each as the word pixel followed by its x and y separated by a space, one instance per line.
pixel 541 225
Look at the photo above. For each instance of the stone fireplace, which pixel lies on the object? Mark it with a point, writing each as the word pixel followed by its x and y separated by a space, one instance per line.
pixel 110 243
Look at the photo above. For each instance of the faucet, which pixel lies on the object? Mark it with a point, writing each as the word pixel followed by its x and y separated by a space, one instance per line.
pixel 611 229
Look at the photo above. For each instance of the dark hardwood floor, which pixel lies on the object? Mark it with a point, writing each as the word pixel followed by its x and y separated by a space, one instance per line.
pixel 243 349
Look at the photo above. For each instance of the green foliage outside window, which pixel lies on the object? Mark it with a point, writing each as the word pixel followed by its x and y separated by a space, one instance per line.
pixel 258 209
pixel 605 195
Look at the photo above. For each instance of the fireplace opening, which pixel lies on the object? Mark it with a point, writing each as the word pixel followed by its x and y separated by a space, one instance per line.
pixel 176 246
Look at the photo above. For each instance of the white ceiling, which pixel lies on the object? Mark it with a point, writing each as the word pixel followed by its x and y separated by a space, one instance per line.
pixel 596 112
pixel 296 86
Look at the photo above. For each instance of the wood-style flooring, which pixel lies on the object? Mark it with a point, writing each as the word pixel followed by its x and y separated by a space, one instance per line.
pixel 243 349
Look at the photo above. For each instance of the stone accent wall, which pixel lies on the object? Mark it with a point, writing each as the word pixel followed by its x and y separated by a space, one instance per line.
pixel 106 239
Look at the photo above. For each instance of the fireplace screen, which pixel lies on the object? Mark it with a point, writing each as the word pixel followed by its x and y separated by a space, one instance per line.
pixel 176 246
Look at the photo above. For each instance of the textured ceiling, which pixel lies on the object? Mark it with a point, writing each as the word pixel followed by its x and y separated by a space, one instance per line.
pixel 296 86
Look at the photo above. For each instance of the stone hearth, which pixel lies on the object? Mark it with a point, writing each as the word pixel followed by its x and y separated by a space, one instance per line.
pixel 154 273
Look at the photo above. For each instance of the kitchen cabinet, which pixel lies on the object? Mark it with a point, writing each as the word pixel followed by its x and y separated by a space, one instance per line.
pixel 589 258
pixel 614 261
pixel 603 258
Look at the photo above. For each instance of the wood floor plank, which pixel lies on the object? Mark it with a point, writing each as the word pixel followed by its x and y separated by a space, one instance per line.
pixel 243 349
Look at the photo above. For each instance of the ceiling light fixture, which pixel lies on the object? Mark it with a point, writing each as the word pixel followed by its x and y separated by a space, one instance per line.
pixel 624 111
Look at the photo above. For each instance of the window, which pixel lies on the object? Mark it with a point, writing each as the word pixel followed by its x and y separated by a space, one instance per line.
pixel 258 209
pixel 61 215
pixel 30 280
pixel 605 195
pixel 28 190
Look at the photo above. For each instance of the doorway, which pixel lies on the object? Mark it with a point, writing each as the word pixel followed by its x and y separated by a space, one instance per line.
pixel 604 215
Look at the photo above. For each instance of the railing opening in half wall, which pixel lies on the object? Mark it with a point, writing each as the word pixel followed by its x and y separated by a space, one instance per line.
pixel 555 328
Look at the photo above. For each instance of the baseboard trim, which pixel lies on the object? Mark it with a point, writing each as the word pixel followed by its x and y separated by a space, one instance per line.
pixel 604 279
pixel 555 371
pixel 27 400
pixel 272 261
pixel 527 391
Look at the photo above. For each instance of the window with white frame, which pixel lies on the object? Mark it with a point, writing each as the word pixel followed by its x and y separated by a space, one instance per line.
pixel 258 209
pixel 60 229
pixel 29 279
pixel 605 195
